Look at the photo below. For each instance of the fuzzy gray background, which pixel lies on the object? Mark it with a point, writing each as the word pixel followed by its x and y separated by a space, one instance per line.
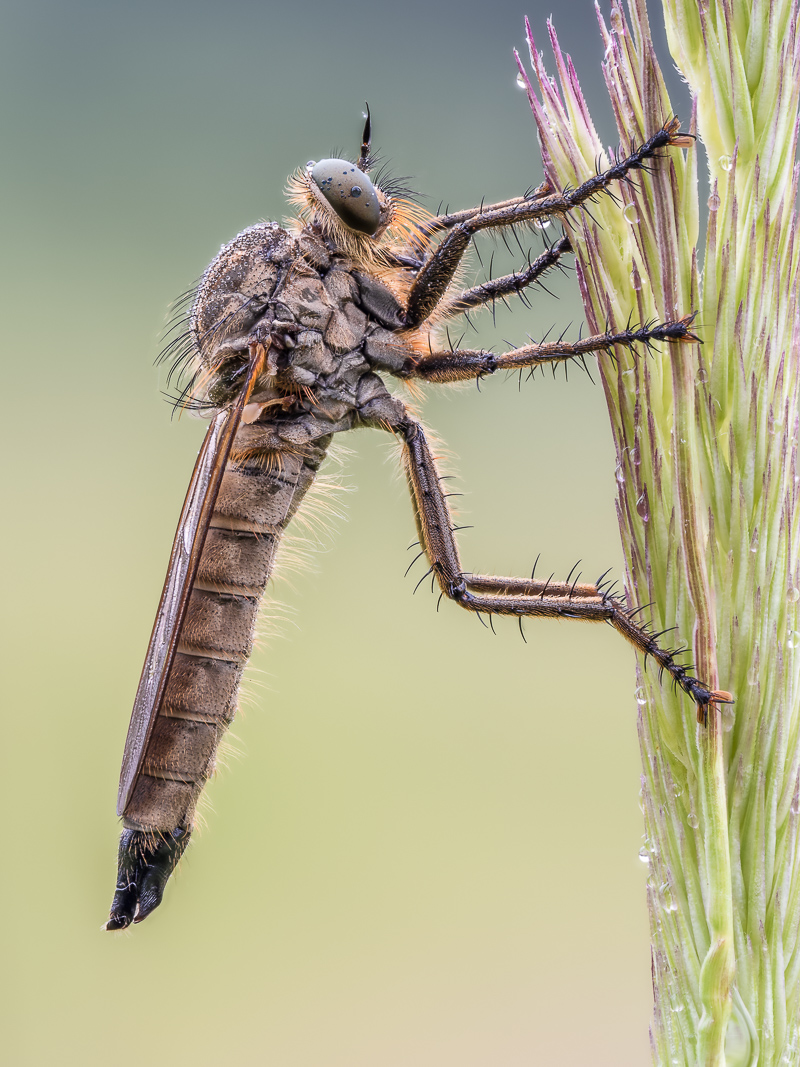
pixel 425 851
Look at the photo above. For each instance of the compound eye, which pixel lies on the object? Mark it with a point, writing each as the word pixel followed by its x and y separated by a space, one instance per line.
pixel 349 192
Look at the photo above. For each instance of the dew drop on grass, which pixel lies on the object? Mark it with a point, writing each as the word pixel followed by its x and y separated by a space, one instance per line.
pixel 793 595
pixel 793 639
pixel 752 676
pixel 631 213
pixel 725 162
pixel 644 855
pixel 520 81
pixel 641 696
pixel 713 202
pixel 692 820
pixel 542 223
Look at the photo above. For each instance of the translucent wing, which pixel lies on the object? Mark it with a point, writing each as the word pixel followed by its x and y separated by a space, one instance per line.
pixel 183 563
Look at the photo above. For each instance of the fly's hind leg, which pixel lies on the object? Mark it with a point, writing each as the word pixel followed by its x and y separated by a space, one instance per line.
pixel 520 597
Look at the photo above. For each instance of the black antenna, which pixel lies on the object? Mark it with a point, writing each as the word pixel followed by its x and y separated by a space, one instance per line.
pixel 363 159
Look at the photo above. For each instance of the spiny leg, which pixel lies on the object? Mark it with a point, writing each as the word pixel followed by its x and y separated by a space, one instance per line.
pixel 461 364
pixel 508 285
pixel 520 597
pixel 446 222
pixel 432 281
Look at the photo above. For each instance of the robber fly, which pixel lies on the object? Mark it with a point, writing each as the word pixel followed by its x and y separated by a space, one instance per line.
pixel 290 334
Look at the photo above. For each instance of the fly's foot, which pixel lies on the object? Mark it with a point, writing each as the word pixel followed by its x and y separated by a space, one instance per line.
pixel 703 697
pixel 701 694
pixel 146 860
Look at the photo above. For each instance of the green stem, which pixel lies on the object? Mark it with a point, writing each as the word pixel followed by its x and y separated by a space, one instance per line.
pixel 717 971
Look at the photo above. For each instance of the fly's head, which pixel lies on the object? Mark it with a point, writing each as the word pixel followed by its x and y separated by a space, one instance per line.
pixel 359 217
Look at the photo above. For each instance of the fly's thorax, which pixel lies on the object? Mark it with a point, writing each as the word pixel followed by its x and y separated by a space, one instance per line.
pixel 237 286
pixel 303 301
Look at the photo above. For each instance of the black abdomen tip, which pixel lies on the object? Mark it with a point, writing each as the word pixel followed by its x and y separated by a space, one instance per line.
pixel 146 860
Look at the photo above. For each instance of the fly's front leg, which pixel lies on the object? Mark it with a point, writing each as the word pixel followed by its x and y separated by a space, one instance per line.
pixel 520 597
pixel 461 364
pixel 432 281
pixel 508 285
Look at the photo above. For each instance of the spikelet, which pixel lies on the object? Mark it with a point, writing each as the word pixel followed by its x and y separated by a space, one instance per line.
pixel 708 504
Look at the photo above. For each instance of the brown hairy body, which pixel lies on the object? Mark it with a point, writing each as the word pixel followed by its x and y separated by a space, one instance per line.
pixel 291 333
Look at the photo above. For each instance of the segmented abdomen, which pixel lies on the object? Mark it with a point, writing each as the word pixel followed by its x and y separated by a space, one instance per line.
pixel 256 501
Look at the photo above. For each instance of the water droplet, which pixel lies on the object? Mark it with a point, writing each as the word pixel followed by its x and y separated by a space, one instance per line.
pixel 725 162
pixel 793 595
pixel 617 21
pixel 793 639
pixel 631 213
pixel 311 164
pixel 636 280
pixel 644 855
pixel 641 696
pixel 692 820
pixel 520 81
pixel 541 224
pixel 728 718
pixel 678 1008
pixel 714 201
pixel 677 790
pixel 754 542
pixel 619 474
pixel 702 374
pixel 636 458
pixel 643 508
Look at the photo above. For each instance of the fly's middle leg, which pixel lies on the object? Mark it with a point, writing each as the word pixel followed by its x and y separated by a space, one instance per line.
pixel 462 364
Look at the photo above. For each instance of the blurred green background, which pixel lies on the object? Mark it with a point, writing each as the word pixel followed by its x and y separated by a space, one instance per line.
pixel 424 850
